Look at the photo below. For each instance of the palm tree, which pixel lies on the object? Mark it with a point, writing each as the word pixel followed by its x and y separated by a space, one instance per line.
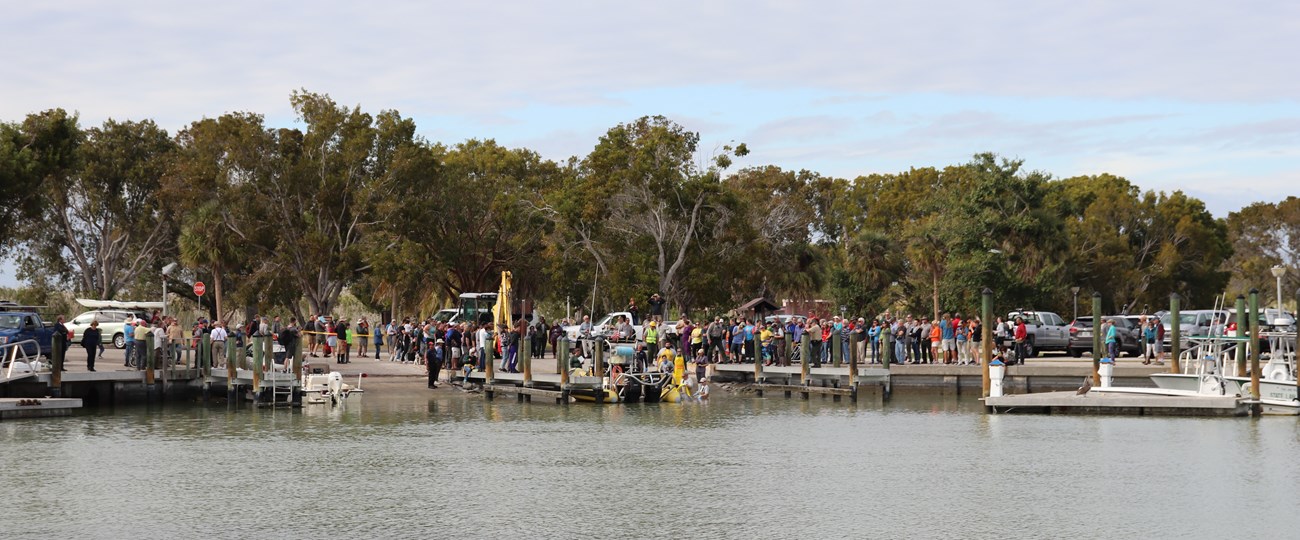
pixel 206 243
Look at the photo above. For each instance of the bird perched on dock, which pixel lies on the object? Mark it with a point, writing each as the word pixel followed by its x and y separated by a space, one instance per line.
pixel 1087 385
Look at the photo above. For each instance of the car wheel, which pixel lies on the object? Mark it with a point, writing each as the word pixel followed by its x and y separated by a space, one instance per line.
pixel 1030 351
pixel 119 342
pixel 1077 353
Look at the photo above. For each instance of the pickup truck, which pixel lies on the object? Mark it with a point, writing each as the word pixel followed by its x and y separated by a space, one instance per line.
pixel 16 326
pixel 605 327
pixel 1046 331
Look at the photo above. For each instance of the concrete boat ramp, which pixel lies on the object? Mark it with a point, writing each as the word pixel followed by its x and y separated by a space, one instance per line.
pixel 1114 403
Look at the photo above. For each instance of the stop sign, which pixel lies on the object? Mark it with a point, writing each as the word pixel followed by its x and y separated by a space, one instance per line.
pixel 199 289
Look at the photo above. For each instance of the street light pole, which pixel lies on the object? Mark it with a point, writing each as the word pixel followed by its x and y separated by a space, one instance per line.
pixel 1278 272
pixel 1075 292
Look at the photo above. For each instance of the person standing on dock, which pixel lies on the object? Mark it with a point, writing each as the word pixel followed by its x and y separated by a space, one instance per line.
pixel 219 337
pixel 142 342
pixel 128 337
pixel 1020 334
pixel 90 340
pixel 815 342
pixel 1112 340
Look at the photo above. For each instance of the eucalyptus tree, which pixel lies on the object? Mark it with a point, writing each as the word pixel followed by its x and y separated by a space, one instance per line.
pixel 103 224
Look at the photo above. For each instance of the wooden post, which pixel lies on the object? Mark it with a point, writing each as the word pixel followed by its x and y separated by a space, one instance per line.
pixel 258 357
pixel 598 369
pixel 855 338
pixel 837 347
pixel 805 351
pixel 297 367
pixel 1254 343
pixel 1175 331
pixel 1097 344
pixel 853 367
pixel 231 370
pixel 1295 349
pixel 1240 357
pixel 886 345
pixel 57 354
pixel 526 360
pixel 758 359
pixel 562 360
pixel 149 373
pixel 986 337
pixel 489 369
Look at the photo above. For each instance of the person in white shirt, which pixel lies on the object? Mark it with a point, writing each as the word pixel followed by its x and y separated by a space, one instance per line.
pixel 219 337
pixel 482 336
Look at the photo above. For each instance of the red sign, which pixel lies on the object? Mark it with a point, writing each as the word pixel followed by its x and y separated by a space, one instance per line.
pixel 199 289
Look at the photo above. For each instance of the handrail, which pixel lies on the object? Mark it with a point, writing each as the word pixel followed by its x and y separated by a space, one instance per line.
pixel 11 356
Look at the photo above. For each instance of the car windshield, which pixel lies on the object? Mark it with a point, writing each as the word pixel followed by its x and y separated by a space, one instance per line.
pixel 444 315
pixel 608 320
pixel 11 321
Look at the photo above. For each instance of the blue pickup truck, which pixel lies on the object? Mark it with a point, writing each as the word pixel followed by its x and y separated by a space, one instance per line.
pixel 17 325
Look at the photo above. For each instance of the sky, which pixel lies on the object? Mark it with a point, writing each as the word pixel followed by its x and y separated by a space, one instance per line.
pixel 1202 97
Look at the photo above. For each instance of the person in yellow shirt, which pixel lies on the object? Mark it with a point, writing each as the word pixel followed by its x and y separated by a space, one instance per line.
pixel 666 356
pixel 765 338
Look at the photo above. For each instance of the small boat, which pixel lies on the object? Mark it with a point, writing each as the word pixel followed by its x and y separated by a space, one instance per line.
pixel 321 388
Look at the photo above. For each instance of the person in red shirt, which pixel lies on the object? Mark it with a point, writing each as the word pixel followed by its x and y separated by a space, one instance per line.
pixel 1021 334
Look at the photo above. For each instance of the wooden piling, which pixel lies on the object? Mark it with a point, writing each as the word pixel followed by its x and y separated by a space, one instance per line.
pixel 297 368
pixel 489 367
pixel 758 359
pixel 258 358
pixel 986 338
pixel 837 347
pixel 598 369
pixel 149 357
pixel 57 354
pixel 1241 332
pixel 562 362
pixel 1175 332
pixel 1254 344
pixel 853 368
pixel 886 346
pixel 805 351
pixel 1097 344
pixel 231 370
pixel 526 360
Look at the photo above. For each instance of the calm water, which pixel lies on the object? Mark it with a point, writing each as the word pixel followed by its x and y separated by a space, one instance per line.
pixel 408 464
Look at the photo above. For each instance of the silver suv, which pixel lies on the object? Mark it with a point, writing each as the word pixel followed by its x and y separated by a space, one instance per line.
pixel 111 322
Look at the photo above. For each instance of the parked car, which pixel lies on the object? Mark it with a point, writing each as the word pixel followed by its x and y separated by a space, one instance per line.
pixel 111 322
pixel 17 326
pixel 1047 331
pixel 1126 329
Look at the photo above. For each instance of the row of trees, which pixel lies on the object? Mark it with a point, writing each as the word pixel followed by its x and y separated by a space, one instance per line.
pixel 290 217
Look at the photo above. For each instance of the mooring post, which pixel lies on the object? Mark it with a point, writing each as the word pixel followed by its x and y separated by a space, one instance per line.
pixel 231 370
pixel 886 346
pixel 258 357
pixel 1098 346
pixel 526 360
pixel 57 354
pixel 758 359
pixel 1240 357
pixel 805 350
pixel 837 347
pixel 986 338
pixel 297 368
pixel 598 369
pixel 489 365
pixel 853 367
pixel 205 363
pixel 1254 344
pixel 1175 331
pixel 149 357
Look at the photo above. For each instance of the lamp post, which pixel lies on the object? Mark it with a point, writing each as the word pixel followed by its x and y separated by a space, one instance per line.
pixel 1075 291
pixel 166 271
pixel 1278 272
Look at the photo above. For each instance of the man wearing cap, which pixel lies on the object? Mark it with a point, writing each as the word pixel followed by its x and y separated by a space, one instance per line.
pixel 652 336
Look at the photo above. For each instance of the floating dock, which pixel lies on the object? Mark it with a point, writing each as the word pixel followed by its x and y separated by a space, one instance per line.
pixel 1118 404
pixel 37 407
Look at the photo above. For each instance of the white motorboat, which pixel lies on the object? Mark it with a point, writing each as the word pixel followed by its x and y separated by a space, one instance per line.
pixel 1206 380
pixel 1277 378
pixel 322 388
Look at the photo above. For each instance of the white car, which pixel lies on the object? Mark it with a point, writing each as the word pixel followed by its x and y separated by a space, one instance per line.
pixel 111 322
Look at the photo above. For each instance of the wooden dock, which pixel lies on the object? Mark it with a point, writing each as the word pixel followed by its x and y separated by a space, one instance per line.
pixel 11 408
pixel 1118 404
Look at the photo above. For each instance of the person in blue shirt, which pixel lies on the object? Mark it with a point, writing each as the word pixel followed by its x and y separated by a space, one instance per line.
pixel 949 338
pixel 1112 339
pixel 749 339
pixel 128 336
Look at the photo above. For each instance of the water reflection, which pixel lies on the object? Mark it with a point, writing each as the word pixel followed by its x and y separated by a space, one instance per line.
pixel 406 462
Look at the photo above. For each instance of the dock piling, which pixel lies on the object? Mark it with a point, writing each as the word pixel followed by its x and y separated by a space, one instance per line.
pixel 1175 332
pixel 986 338
pixel 1254 345
pixel 1096 338
pixel 1240 357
